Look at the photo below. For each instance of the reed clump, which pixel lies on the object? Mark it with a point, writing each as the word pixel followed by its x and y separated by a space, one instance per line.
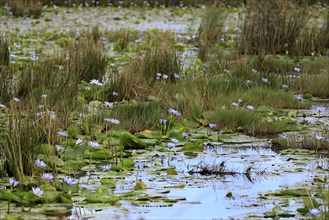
pixel 29 8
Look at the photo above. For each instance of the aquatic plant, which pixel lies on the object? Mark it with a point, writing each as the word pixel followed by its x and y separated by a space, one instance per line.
pixel 138 116
pixel 210 31
pixel 241 120
pixel 266 26
pixel 315 84
pixel 22 135
pixel 86 58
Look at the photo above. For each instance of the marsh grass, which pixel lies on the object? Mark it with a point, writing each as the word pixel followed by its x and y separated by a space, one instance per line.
pixel 86 57
pixel 247 121
pixel 139 76
pixel 22 8
pixel 123 40
pixel 315 84
pixel 4 53
pixel 304 142
pixel 22 136
pixel 210 31
pixel 277 27
pixel 138 116
pixel 277 98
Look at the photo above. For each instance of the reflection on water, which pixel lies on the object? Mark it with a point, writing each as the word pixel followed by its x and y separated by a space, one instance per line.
pixel 206 195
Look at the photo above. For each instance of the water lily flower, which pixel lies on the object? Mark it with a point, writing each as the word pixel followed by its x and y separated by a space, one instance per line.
pixel 93 144
pixel 112 120
pixel 13 182
pixel 320 109
pixel 52 115
pixel 96 82
pixel 47 176
pixel 297 69
pixel 177 76
pixel 170 145
pixel 235 104
pixel 70 180
pixel 13 54
pixel 139 165
pixel 38 192
pixel 299 98
pixel 108 104
pixel 319 137
pixel 211 125
pixel 250 107
pixel 174 140
pixel 174 112
pixel 59 148
pixel 85 186
pixel 40 163
pixel 163 121
pixel 265 80
pixel 63 133
pixel 34 57
pixel 315 211
pixel 105 167
pixel 185 135
pixel 79 141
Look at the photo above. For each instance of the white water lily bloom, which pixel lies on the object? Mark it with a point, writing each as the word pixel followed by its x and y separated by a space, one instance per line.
pixel 93 144
pixel 174 112
pixel 174 140
pixel 108 104
pixel 105 167
pixel 37 191
pixel 70 180
pixel 13 182
pixel 59 148
pixel 170 145
pixel 47 176
pixel 96 82
pixel 297 69
pixel 319 137
pixel 112 120
pixel 63 133
pixel 40 163
pixel 250 107
pixel 85 186
pixel 79 141
pixel 315 211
